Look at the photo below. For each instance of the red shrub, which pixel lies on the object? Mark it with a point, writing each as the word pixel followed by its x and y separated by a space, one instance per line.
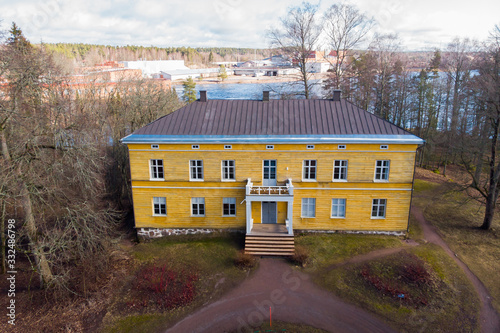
pixel 165 287
pixel 415 272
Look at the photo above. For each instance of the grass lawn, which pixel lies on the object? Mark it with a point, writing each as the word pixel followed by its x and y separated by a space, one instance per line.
pixel 458 220
pixel 209 258
pixel 325 250
pixel 446 303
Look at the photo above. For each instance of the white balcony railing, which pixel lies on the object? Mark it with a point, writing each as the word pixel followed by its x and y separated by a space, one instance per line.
pixel 269 190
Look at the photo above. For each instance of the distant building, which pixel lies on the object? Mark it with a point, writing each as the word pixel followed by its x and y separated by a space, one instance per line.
pixel 317 66
pixel 149 68
pixel 279 61
pixel 183 74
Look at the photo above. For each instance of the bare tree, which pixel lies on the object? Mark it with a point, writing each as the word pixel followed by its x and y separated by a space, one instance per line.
pixel 345 28
pixel 385 48
pixel 298 38
pixel 488 90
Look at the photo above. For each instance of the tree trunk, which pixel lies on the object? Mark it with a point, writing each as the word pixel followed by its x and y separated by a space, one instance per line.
pixel 490 207
pixel 5 150
pixel 29 220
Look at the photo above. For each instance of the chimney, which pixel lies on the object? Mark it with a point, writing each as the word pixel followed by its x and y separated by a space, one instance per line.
pixel 336 95
pixel 265 97
pixel 203 95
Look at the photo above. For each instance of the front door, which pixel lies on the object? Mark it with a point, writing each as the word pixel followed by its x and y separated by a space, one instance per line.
pixel 269 173
pixel 269 212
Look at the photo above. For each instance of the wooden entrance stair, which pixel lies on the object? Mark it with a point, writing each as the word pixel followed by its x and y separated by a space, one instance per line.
pixel 270 245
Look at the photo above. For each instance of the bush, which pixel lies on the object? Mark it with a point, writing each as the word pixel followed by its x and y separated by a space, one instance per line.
pixel 244 260
pixel 165 287
pixel 407 279
pixel 300 257
pixel 415 272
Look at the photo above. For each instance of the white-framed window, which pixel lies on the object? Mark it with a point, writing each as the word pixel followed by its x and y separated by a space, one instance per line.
pixel 382 170
pixel 156 169
pixel 309 168
pixel 196 169
pixel 341 146
pixel 308 207
pixel 270 147
pixel 228 170
pixel 229 206
pixel 198 206
pixel 155 146
pixel 384 146
pixel 228 147
pixel 378 208
pixel 159 206
pixel 310 147
pixel 195 146
pixel 340 170
pixel 338 208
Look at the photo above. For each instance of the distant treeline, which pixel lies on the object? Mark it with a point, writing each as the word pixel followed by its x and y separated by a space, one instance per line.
pixel 92 53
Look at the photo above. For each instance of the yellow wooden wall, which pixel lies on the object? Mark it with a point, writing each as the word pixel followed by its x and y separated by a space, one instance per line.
pixel 361 161
pixel 358 210
pixel 359 190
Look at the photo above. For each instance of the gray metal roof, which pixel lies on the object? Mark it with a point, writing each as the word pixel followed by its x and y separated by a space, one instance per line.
pixel 279 119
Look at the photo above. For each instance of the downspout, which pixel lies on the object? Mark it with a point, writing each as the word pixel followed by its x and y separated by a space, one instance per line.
pixel 412 186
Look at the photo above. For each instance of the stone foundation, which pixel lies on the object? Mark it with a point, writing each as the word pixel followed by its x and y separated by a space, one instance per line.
pixel 362 232
pixel 150 233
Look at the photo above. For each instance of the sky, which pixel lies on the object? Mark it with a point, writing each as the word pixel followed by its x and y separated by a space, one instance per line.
pixel 420 24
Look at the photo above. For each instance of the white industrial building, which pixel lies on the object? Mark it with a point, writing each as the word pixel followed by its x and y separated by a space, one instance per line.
pixel 151 67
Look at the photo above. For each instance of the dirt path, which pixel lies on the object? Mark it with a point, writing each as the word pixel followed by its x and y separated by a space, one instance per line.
pixel 292 298
pixel 489 318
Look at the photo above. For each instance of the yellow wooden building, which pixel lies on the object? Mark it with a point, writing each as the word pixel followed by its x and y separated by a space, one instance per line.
pixel 291 164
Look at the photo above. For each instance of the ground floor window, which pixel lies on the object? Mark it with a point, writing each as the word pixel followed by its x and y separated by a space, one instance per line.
pixel 229 206
pixel 198 206
pixel 308 207
pixel 159 206
pixel 379 208
pixel 338 207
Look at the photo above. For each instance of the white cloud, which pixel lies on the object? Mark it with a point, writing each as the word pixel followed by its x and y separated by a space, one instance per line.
pixel 237 23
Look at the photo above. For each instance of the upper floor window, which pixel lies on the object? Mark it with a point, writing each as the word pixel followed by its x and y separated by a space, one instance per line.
pixel 155 147
pixel 340 170
pixel 270 147
pixel 159 206
pixel 384 147
pixel 196 169
pixel 156 169
pixel 229 206
pixel 195 146
pixel 198 206
pixel 382 170
pixel 310 146
pixel 378 208
pixel 228 147
pixel 309 170
pixel 228 170
pixel 338 207
pixel 308 207
pixel 341 146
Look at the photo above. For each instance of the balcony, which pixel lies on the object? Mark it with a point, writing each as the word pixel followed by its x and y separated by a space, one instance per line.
pixel 286 189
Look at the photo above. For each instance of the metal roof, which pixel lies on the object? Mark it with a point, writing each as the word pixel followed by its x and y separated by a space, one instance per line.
pixel 279 120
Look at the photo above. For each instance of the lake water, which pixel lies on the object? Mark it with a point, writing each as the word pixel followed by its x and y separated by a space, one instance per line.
pixel 241 90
